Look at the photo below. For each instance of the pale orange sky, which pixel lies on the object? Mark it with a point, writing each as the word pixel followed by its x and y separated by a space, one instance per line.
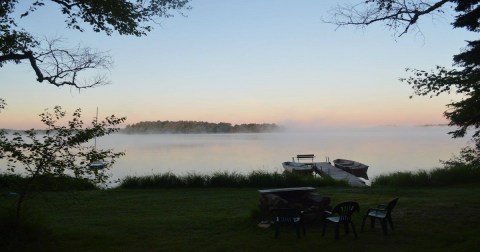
pixel 246 62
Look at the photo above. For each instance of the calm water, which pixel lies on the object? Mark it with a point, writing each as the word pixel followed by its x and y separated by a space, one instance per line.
pixel 383 149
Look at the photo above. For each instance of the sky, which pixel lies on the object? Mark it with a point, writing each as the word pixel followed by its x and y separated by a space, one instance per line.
pixel 270 61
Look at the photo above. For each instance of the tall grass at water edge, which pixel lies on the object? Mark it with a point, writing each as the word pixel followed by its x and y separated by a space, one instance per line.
pixel 457 174
pixel 449 175
pixel 226 179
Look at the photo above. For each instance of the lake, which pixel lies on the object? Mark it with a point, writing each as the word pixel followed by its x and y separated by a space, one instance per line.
pixel 385 150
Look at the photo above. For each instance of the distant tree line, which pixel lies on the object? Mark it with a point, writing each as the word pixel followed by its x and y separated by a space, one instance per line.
pixel 192 127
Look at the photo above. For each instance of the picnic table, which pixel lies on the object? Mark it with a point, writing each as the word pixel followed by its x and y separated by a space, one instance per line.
pixel 302 198
pixel 288 194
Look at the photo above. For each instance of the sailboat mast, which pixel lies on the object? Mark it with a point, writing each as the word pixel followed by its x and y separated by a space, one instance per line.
pixel 95 139
pixel 96 164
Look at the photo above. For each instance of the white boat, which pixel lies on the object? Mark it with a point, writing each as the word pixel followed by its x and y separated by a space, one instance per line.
pixel 297 167
pixel 353 167
pixel 97 165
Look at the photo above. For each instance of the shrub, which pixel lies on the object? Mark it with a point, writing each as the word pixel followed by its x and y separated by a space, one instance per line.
pixel 14 182
pixel 449 175
pixel 455 174
pixel 10 181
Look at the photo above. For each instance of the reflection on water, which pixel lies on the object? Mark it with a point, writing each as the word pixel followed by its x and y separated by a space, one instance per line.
pixel 383 149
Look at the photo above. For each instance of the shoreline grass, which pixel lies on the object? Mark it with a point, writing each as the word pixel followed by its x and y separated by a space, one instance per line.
pixel 227 179
pixel 458 174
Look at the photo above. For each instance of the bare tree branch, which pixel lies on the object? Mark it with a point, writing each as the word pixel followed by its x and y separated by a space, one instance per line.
pixel 60 66
pixel 399 15
pixel 64 66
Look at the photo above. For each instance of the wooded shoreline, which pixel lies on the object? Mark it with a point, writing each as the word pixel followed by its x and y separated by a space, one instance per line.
pixel 195 127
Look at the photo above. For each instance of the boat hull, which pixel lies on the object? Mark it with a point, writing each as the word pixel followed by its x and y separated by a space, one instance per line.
pixel 353 167
pixel 295 167
pixel 97 165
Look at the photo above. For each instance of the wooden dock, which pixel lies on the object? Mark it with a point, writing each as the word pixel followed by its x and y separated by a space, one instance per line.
pixel 326 169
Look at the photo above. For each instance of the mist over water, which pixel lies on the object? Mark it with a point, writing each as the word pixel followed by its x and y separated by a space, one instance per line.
pixel 385 150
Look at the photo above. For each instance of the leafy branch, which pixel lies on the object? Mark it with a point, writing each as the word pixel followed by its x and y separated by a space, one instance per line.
pixel 63 150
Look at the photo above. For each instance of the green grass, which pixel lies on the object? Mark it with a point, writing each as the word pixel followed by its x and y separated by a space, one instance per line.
pixel 219 219
pixel 437 211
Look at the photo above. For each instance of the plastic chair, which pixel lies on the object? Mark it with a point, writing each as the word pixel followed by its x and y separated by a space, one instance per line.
pixel 342 214
pixel 383 213
pixel 287 217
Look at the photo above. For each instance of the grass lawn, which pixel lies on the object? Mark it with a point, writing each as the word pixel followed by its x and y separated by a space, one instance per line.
pixel 216 219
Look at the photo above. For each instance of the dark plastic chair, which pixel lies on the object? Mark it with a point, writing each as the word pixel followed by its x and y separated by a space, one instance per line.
pixel 383 213
pixel 287 217
pixel 341 214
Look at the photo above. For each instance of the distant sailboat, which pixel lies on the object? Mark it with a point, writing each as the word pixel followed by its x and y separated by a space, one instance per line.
pixel 96 164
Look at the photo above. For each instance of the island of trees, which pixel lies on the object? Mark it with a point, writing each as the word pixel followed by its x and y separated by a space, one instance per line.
pixel 195 127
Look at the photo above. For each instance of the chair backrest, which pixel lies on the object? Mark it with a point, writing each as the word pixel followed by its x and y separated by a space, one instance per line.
pixel 285 215
pixel 345 210
pixel 391 205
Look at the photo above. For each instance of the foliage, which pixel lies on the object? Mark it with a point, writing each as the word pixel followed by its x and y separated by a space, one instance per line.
pixel 14 182
pixel 198 127
pixel 61 150
pixel 469 156
pixel 10 181
pixel 61 66
pixel 464 79
pixel 459 170
pixel 225 179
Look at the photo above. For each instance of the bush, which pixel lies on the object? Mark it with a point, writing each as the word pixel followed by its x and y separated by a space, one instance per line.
pixel 449 175
pixel 14 182
pixel 10 181
pixel 455 175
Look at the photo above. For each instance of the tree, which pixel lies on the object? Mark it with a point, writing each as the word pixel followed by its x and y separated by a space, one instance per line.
pixel 58 65
pixel 401 17
pixel 59 151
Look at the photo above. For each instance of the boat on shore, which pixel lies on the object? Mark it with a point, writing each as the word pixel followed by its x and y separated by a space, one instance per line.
pixel 296 167
pixel 353 167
